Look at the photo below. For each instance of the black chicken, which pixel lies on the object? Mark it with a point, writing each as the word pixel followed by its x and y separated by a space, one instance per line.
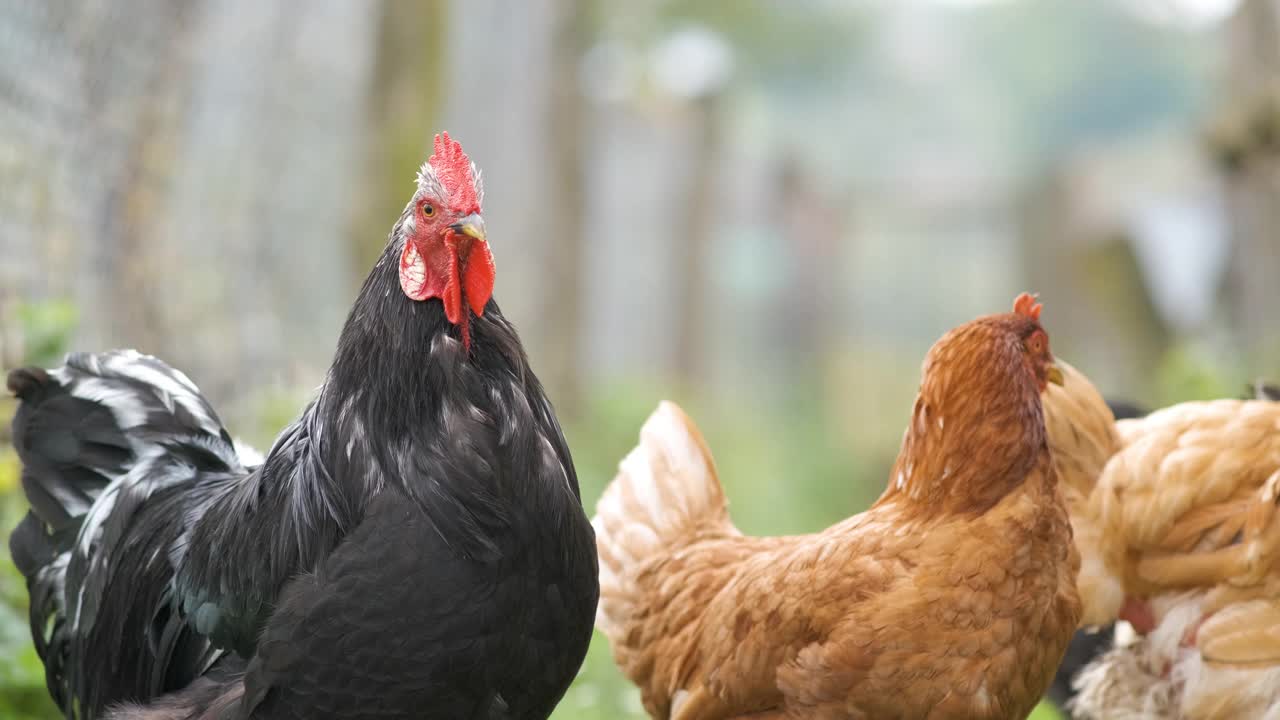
pixel 414 545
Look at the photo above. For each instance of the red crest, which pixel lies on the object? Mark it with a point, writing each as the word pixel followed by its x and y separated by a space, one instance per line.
pixel 1026 305
pixel 453 168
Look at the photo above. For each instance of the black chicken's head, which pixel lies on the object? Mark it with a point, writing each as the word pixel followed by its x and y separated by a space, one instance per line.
pixel 446 254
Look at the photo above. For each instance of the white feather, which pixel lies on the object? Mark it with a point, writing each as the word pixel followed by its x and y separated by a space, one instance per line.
pixel 172 385
pixel 123 403
pixel 249 456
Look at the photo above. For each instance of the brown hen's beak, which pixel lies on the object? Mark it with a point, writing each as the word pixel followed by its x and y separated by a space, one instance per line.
pixel 472 226
pixel 1053 374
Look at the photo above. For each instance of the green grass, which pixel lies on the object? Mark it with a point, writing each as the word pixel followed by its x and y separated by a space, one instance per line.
pixel 1045 711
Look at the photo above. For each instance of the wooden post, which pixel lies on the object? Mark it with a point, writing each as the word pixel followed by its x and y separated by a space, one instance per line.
pixel 1246 143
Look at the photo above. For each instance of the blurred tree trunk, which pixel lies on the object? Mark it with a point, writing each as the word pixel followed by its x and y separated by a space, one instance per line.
pixel 137 110
pixel 695 234
pixel 808 309
pixel 407 87
pixel 565 220
pixel 1247 144
pixel 133 215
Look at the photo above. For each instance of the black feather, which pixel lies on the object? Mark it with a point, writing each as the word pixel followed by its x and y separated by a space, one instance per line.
pixel 414 544
pixel 122 433
pixel 1263 391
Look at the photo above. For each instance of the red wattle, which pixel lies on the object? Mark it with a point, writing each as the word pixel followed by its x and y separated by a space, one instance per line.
pixel 479 276
pixel 1139 614
pixel 435 276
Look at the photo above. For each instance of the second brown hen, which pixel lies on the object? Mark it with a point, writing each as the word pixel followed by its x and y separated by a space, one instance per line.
pixel 953 596
pixel 1176 518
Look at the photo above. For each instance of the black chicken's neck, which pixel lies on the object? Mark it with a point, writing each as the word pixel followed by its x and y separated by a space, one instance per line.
pixel 400 357
pixel 465 433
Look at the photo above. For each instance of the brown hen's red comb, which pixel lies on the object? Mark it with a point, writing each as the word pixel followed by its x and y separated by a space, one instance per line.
pixel 1026 305
pixel 453 167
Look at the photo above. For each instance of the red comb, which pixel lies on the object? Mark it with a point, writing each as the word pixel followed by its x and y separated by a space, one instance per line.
pixel 453 167
pixel 1026 305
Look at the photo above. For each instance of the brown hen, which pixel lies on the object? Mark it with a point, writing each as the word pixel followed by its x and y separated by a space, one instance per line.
pixel 1177 521
pixel 953 596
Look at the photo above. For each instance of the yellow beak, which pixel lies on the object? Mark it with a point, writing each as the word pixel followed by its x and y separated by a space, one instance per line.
pixel 1053 374
pixel 471 225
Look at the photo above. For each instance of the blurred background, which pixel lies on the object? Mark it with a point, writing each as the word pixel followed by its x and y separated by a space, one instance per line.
pixel 765 209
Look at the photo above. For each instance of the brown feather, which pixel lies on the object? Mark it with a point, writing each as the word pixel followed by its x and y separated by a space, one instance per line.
pixel 954 595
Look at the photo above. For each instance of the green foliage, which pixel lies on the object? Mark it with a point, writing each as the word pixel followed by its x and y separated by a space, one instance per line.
pixel 22 690
pixel 1187 372
pixel 273 409
pixel 45 330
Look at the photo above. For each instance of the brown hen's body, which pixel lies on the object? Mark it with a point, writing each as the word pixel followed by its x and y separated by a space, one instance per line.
pixel 1177 521
pixel 953 596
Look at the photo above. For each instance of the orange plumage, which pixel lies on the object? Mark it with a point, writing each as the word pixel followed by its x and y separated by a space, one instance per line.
pixel 1177 520
pixel 953 596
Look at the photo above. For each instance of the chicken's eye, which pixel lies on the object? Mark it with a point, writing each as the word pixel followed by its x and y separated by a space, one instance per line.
pixel 1035 343
pixel 428 209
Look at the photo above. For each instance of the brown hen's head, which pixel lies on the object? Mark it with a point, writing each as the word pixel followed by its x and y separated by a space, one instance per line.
pixel 1035 340
pixel 446 254
pixel 978 425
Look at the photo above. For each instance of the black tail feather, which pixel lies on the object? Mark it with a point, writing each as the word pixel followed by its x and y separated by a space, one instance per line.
pixel 103 439
pixel 70 447
pixel 31 546
pixel 26 382
pixel 41 557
